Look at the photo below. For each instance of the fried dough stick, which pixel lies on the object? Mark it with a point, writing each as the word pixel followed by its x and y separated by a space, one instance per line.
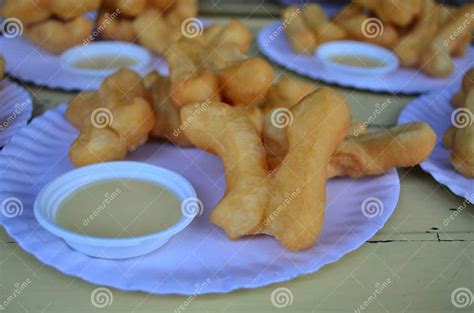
pixel 298 33
pixel 410 47
pixel 399 13
pixel 358 28
pixel 460 139
pixel 320 122
pixel 168 120
pixel 191 81
pixel 373 153
pixel 318 22
pixel 459 99
pixel 116 118
pixel 223 130
pixel 436 61
pixel 56 36
pixel 27 11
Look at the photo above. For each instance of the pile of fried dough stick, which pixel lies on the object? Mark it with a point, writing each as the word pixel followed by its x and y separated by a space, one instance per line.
pixel 422 33
pixel 221 100
pixel 57 25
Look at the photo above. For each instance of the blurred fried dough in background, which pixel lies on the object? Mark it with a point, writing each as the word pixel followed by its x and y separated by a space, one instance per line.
pixel 423 34
pixel 460 137
pixel 155 24
pixel 57 25
pixel 54 25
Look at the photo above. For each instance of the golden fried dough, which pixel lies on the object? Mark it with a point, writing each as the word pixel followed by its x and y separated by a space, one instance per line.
pixel 134 121
pixel 223 130
pixel 436 60
pixel 118 115
pixel 373 153
pixel 239 83
pixel 422 33
pixel 120 29
pixel 180 11
pixel 319 24
pixel 284 94
pixel 399 13
pixel 467 85
pixel 234 32
pixel 301 38
pixel 167 116
pixel 96 145
pixel 55 36
pixel 287 92
pixel 27 11
pixel 154 32
pixel 163 5
pixel 460 138
pixel 357 27
pixel 213 67
pixel 128 8
pixel 297 223
pixel 71 9
pixel 410 47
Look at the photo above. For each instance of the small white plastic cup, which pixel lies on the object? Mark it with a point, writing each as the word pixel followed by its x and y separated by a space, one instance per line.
pixel 109 49
pixel 55 192
pixel 326 51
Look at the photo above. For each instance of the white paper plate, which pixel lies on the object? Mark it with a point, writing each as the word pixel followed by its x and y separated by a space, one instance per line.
pixel 200 259
pixel 15 109
pixel 28 62
pixel 274 44
pixel 435 109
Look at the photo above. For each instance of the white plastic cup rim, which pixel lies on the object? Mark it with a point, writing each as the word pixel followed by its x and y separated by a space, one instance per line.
pixel 55 192
pixel 140 55
pixel 356 49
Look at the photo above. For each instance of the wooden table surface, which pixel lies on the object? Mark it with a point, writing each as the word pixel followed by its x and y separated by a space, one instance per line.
pixel 423 260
